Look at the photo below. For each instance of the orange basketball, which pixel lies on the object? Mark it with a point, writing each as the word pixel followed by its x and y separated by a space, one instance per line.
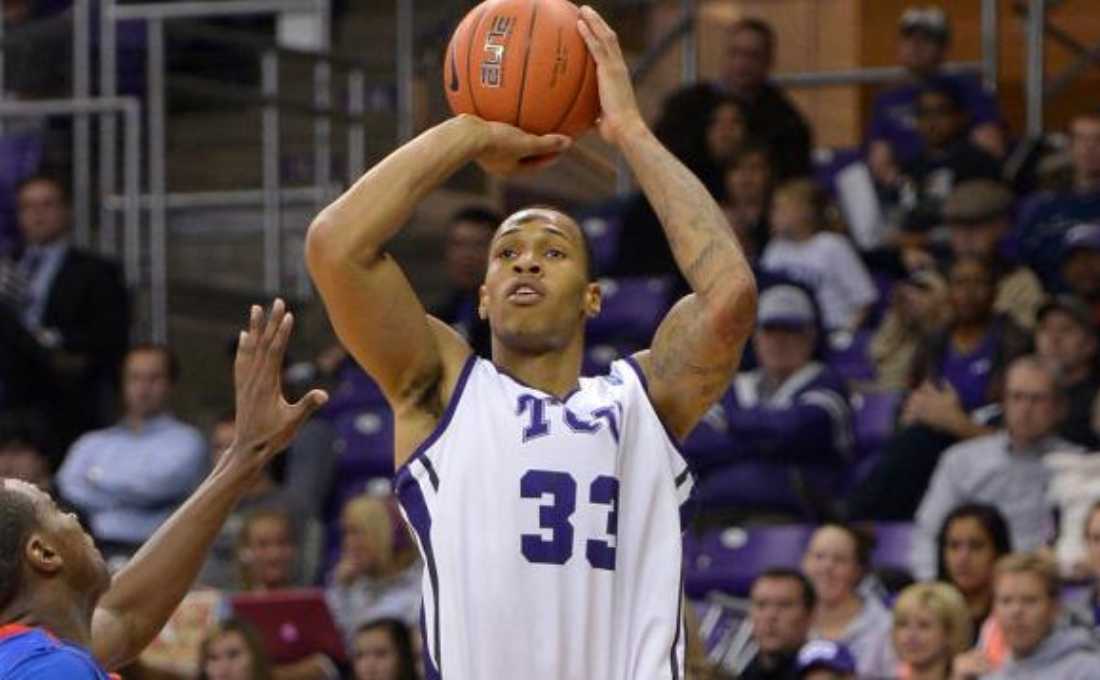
pixel 523 62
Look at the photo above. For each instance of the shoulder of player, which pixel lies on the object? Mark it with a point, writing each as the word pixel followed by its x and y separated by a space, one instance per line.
pixel 56 661
pixel 431 394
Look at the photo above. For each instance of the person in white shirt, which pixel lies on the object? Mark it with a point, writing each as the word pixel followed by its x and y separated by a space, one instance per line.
pixel 823 260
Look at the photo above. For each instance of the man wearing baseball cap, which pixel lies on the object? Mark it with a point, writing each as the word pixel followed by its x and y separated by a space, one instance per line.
pixel 924 35
pixel 1066 342
pixel 826 660
pixel 782 434
pixel 1080 266
pixel 978 217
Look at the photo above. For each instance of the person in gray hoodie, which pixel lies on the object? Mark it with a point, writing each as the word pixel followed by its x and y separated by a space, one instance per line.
pixel 1027 608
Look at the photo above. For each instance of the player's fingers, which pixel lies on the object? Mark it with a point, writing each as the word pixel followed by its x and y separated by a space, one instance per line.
pixel 309 404
pixel 279 343
pixel 547 144
pixel 274 319
pixel 599 27
pixel 589 39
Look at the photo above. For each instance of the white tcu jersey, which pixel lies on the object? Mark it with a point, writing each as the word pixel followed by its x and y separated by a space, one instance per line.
pixel 550 531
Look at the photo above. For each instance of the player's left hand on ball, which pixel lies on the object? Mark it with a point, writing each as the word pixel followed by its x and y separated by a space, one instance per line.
pixel 618 106
pixel 266 422
pixel 509 150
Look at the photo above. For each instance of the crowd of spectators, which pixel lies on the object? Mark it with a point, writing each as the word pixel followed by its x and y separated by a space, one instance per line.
pixel 942 382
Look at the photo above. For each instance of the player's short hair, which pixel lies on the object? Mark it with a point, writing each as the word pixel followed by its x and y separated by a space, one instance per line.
pixel 166 352
pixel 481 216
pixel 18 518
pixel 760 28
pixel 1031 563
pixel 809 595
pixel 589 255
pixel 44 178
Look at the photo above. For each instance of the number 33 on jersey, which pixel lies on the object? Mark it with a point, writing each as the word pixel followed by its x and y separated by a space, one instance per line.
pixel 531 511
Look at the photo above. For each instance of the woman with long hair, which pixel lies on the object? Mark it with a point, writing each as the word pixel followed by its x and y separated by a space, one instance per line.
pixel 383 650
pixel 971 540
pixel 232 651
pixel 378 572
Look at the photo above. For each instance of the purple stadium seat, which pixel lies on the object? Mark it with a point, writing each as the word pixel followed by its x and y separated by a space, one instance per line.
pixel 632 309
pixel 893 544
pixel 603 233
pixel 873 416
pixel 853 361
pixel 354 391
pixel 598 356
pixel 727 560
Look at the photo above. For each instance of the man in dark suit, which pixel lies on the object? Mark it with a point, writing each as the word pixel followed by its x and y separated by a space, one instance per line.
pixel 64 317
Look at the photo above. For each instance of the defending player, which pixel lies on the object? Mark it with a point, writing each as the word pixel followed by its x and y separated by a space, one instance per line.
pixel 547 507
pixel 62 617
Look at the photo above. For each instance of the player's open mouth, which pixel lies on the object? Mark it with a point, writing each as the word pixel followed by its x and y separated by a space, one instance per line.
pixel 524 294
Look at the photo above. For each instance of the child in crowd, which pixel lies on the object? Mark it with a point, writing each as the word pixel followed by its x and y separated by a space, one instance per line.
pixel 823 260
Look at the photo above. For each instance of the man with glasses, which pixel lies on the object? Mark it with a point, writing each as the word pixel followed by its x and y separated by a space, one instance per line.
pixel 1004 469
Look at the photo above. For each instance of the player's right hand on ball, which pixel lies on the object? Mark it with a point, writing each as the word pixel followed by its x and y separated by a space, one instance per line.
pixel 507 150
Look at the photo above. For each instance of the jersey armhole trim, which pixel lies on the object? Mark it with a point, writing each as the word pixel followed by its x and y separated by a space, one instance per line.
pixel 445 421
pixel 633 363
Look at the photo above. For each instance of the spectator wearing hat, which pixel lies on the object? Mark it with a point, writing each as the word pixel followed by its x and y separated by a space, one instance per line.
pixel 825 660
pixel 919 309
pixel 977 214
pixel 948 157
pixel 770 116
pixel 894 140
pixel 1045 218
pixel 787 424
pixel 1066 342
pixel 1005 469
pixel 781 608
pixel 1080 267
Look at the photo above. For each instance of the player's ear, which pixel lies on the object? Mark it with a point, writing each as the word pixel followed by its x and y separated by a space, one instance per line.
pixel 483 302
pixel 42 554
pixel 593 300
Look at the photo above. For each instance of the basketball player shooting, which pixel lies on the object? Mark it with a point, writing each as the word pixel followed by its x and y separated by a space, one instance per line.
pixel 62 617
pixel 546 506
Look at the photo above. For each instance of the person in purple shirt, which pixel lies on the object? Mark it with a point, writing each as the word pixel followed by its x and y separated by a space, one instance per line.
pixel 62 615
pixel 893 138
pixel 780 436
pixel 955 379
pixel 1046 217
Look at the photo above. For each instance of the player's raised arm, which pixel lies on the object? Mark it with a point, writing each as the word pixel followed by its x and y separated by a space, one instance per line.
pixel 698 345
pixel 373 308
pixel 149 588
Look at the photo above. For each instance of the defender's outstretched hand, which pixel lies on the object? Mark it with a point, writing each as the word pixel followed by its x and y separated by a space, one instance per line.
pixel 619 112
pixel 507 150
pixel 266 423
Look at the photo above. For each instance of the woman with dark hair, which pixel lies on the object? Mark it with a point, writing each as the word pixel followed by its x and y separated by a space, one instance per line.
pixel 749 182
pixel 971 540
pixel 835 561
pixel 382 650
pixel 703 128
pixel 233 651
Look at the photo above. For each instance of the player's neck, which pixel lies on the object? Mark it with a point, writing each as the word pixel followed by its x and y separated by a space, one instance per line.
pixel 62 615
pixel 554 372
